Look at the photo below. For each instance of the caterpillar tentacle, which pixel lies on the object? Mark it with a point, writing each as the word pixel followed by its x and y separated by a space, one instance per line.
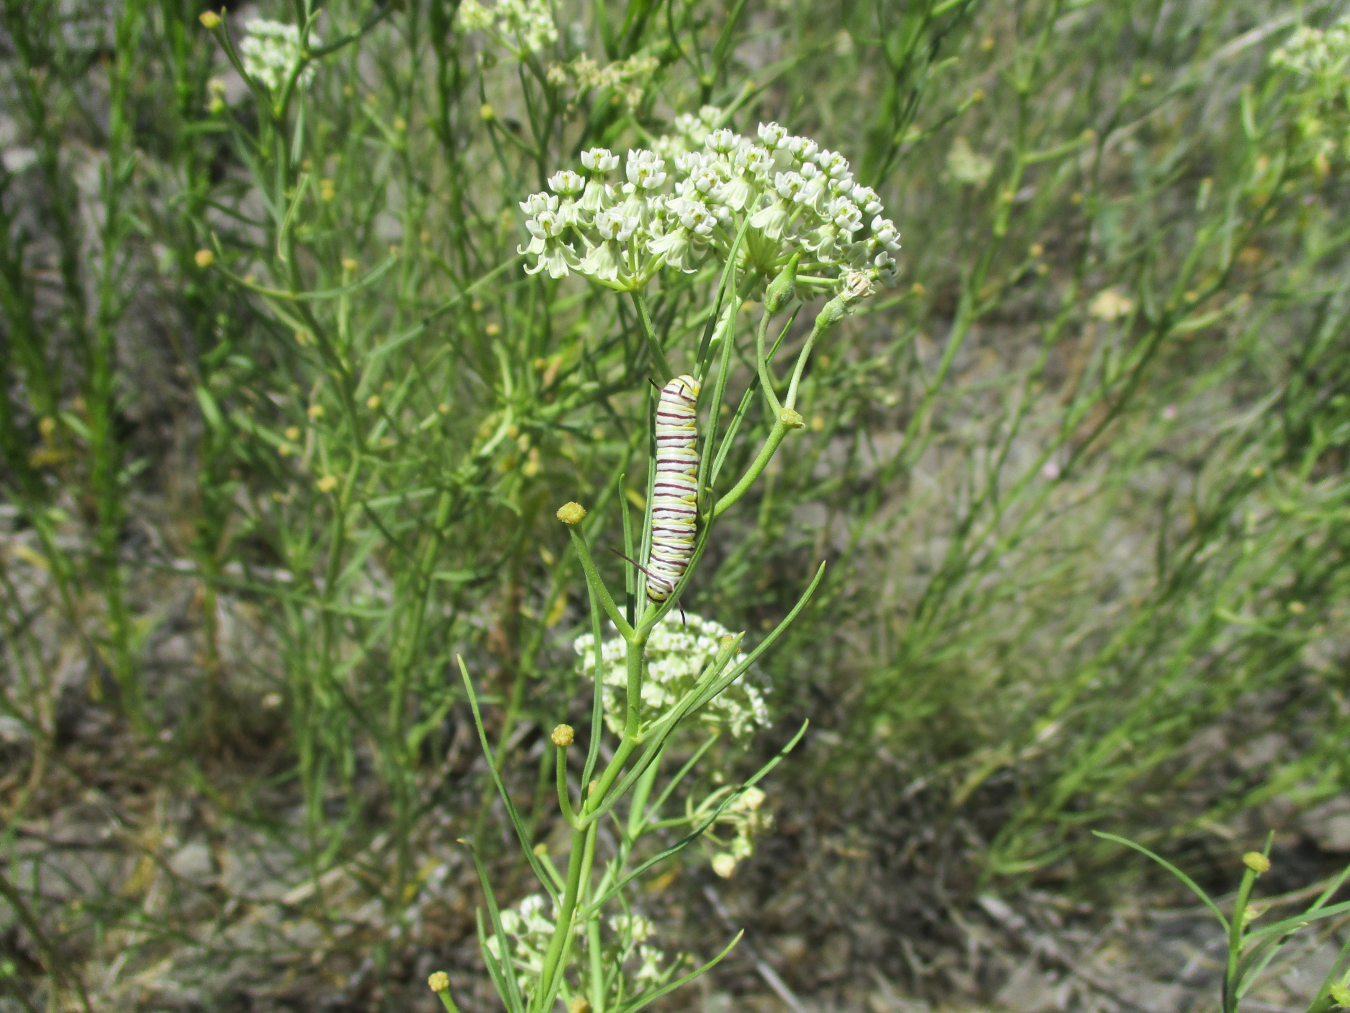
pixel 675 494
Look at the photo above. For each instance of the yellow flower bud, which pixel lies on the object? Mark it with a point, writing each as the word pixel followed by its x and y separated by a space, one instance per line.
pixel 210 19
pixel 1256 861
pixel 439 981
pixel 724 864
pixel 571 513
pixel 578 1004
pixel 327 484
pixel 791 419
pixel 204 257
pixel 562 736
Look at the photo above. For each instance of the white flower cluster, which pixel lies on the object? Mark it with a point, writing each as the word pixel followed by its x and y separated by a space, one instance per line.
pixel 677 654
pixel 628 77
pixel 1315 53
pixel 685 201
pixel 747 818
pixel 270 52
pixel 525 26
pixel 531 929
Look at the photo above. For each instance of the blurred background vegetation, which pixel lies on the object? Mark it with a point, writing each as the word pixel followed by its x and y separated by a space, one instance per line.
pixel 284 425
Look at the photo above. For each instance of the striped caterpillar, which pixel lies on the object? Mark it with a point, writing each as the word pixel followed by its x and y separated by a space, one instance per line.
pixel 675 494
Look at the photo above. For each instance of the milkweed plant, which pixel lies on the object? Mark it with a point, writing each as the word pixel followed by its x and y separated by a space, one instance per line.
pixel 782 222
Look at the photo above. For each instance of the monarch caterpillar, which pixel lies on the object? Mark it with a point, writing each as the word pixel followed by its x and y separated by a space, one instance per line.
pixel 675 494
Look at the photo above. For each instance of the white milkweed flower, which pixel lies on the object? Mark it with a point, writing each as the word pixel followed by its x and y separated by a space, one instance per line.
pixel 772 135
pixel 599 160
pixel 566 183
pixel 692 192
pixel 546 224
pixel 270 52
pixel 645 169
pixel 677 654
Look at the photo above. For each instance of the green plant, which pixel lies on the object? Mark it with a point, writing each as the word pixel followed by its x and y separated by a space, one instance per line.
pixel 1252 948
pixel 789 235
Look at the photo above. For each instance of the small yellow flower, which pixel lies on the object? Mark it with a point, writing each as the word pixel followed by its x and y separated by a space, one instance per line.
pixel 210 19
pixel 327 189
pixel 987 44
pixel 1297 607
pixel 487 112
pixel 438 982
pixel 349 264
pixel 1256 861
pixel 562 736
pixel 791 419
pixel 493 330
pixel 400 123
pixel 443 408
pixel 327 484
pixel 293 433
pixel 571 513
pixel 204 257
pixel 1036 249
pixel 373 402
pixel 724 864
pixel 578 1004
pixel 315 412
pixel 285 450
pixel 817 423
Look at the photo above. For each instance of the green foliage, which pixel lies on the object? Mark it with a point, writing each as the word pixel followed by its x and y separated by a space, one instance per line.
pixel 1079 481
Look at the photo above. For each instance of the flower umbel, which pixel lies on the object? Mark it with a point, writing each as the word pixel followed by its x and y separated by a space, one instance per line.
pixel 677 654
pixel 271 51
pixel 684 201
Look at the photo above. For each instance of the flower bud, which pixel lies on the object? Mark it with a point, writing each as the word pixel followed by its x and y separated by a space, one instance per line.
pixel 571 513
pixel 724 864
pixel 439 981
pixel 791 419
pixel 209 18
pixel 578 1004
pixel 834 311
pixel 781 288
pixel 562 736
pixel 1256 861
pixel 204 258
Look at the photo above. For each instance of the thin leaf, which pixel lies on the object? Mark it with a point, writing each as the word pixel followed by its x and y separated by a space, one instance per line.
pixel 516 821
pixel 1190 883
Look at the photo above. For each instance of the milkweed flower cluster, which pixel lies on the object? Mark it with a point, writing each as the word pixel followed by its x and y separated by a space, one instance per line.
pixel 627 77
pixel 747 817
pixel 683 202
pixel 677 654
pixel 530 929
pixel 270 51
pixel 1319 62
pixel 1315 53
pixel 524 26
